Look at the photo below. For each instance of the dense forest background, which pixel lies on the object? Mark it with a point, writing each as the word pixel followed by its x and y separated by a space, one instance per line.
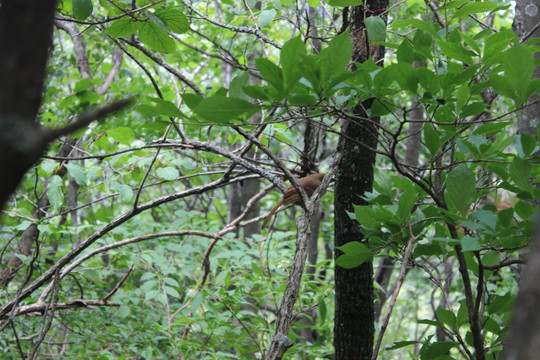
pixel 143 143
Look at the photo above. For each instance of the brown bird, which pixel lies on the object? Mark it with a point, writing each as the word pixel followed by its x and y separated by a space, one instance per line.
pixel 309 183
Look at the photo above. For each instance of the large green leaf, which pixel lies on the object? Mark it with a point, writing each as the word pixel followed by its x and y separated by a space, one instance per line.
pixel 155 37
pixel 376 29
pixel 518 67
pixel 456 51
pixel 355 254
pixel 405 204
pixel 222 109
pixel 335 58
pixel 160 107
pixel 124 135
pixel 476 7
pixel 77 172
pixel 521 172
pixel 122 27
pixel 266 17
pixel 270 72
pixel 460 189
pixel 292 54
pixel 82 8
pixel 54 191
pixel 405 75
pixel 174 19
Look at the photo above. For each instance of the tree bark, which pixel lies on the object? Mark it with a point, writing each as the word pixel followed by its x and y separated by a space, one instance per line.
pixel 25 39
pixel 354 313
pixel 523 341
pixel 526 19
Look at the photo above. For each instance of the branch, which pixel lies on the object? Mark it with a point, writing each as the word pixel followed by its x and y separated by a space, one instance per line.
pixel 166 66
pixel 40 308
pixel 237 29
pixel 85 119
pixel 280 342
pixel 117 286
pixel 397 288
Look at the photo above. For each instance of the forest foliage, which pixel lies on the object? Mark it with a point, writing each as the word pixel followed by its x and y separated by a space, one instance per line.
pixel 132 217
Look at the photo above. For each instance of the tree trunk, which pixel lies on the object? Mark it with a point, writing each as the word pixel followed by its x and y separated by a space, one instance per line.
pixel 25 39
pixel 354 314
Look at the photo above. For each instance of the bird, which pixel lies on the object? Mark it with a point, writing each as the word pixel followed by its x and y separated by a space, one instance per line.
pixel 309 184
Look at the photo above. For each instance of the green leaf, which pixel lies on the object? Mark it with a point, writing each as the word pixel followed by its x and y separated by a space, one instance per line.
pixel 266 17
pixel 474 108
pixel 270 72
pixel 343 3
pixel 155 37
pixel 335 58
pixel 518 67
pixel 82 8
pixel 405 204
pixel 495 44
pixel 470 243
pixel 432 139
pixel 126 193
pixel 365 215
pixel 528 143
pixel 376 29
pixel 447 317
pixel 171 292
pixel 256 92
pixel 237 84
pixel 400 344
pixel 168 173
pixel 456 51
pixel 123 135
pixel 434 350
pixel 124 311
pixel 197 301
pixel 460 189
pixel 428 80
pixel 520 172
pixel 292 54
pixel 475 7
pixel 502 86
pixel 405 75
pixel 192 100
pixel 491 128
pixel 161 107
pixel 415 23
pixel 222 109
pixel 54 191
pixel 405 52
pixel 174 19
pixel 77 172
pixel 355 254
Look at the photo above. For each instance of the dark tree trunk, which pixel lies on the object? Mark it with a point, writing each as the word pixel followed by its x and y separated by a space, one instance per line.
pixel 25 39
pixel 354 314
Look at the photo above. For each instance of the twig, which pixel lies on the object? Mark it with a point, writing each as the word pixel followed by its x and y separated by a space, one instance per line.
pixel 117 286
pixel 238 29
pixel 397 288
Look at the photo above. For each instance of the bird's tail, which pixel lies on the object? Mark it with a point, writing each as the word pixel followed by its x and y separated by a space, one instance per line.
pixel 271 213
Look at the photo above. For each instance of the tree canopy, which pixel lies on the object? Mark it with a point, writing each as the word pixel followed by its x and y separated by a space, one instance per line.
pixel 164 133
